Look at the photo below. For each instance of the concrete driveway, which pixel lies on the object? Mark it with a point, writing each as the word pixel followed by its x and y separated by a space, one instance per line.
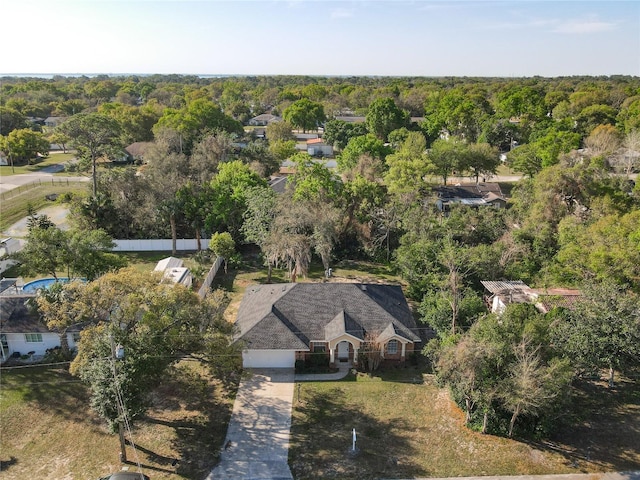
pixel 257 442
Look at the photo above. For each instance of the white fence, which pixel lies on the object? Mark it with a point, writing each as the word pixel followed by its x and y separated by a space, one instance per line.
pixel 206 284
pixel 164 245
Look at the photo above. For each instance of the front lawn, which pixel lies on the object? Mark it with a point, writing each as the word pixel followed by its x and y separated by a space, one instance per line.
pixel 47 429
pixel 406 427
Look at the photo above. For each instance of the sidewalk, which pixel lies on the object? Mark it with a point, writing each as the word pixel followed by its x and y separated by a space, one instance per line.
pixel 319 377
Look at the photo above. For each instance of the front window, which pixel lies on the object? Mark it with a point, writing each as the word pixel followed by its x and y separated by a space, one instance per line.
pixel 319 349
pixel 33 337
pixel 392 347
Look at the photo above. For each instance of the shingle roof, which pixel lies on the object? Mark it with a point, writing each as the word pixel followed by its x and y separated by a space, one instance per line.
pixel 289 316
pixel 17 317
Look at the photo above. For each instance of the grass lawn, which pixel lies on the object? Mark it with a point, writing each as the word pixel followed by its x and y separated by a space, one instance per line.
pixel 409 427
pixel 47 429
pixel 6 170
pixel 15 205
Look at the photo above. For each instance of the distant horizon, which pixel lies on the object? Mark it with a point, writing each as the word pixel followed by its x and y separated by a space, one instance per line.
pixel 50 76
pixel 342 38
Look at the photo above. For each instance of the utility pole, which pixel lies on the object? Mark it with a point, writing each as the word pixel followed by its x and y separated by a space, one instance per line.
pixel 117 353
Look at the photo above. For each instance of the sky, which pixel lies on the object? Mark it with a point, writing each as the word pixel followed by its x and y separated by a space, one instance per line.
pixel 321 37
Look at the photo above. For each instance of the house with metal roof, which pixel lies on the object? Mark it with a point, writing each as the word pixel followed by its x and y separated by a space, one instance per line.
pixel 506 292
pixel 470 194
pixel 281 323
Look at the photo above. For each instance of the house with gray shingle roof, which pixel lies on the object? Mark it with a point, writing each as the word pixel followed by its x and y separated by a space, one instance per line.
pixel 22 332
pixel 281 323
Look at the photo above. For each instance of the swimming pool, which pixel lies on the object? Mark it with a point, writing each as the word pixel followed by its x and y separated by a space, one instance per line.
pixel 33 287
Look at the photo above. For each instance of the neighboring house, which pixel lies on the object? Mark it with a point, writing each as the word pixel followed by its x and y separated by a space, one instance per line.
pixel 350 118
pixel 53 122
pixel 9 246
pixel 316 147
pixel 503 293
pixel 303 137
pixel 23 333
pixel 278 184
pixel 137 150
pixel 264 120
pixel 4 160
pixel 281 323
pixel 471 194
pixel 174 271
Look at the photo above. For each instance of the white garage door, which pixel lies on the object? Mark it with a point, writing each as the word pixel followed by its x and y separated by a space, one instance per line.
pixel 268 358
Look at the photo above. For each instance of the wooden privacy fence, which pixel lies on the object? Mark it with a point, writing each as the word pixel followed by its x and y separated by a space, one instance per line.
pixel 206 284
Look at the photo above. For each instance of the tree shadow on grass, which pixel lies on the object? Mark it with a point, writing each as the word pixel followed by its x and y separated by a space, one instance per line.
pixel 602 429
pixel 321 441
pixel 53 390
pixel 6 464
pixel 200 431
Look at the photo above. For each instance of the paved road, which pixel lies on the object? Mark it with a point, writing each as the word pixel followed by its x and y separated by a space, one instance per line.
pixel 257 442
pixel 9 182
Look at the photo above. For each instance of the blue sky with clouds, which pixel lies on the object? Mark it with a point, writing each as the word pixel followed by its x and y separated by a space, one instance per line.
pixel 316 37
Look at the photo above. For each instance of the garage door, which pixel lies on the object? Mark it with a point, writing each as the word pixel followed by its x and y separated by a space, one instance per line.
pixel 269 358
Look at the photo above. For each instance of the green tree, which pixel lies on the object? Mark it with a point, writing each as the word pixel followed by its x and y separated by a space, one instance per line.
pixel 83 254
pixel 314 181
pixel 304 114
pixel 222 245
pixel 531 386
pixel 448 157
pixel 368 145
pixel 482 160
pixel 89 254
pixel 11 119
pixel 258 218
pixel 384 116
pixel 279 131
pixel 602 330
pixel 24 145
pixel 193 120
pixel 282 149
pixel 338 132
pixel 45 252
pixel 525 159
pixel 227 201
pixel 94 135
pixel 156 324
pixel 408 167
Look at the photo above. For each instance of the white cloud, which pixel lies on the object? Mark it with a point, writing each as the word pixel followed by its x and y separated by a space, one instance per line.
pixel 341 13
pixel 582 26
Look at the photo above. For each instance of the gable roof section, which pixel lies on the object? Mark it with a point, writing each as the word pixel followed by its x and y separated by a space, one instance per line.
pixel 168 263
pixel 17 317
pixel 320 311
pixel 343 324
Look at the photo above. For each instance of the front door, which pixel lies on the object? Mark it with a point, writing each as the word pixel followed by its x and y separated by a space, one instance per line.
pixel 343 351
